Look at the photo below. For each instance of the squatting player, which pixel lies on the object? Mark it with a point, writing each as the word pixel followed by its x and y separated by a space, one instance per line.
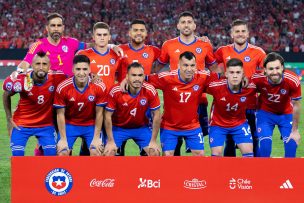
pixel 79 104
pixel 228 112
pixel 279 104
pixel 34 113
pixel 125 116
pixel 252 58
pixel 182 90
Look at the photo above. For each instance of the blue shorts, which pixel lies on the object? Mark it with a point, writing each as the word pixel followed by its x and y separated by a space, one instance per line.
pixel 141 136
pixel 75 131
pixel 194 138
pixel 266 122
pixel 46 137
pixel 240 134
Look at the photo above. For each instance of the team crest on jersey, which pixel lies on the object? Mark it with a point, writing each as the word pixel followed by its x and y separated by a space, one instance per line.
pixel 247 58
pixel 9 86
pixel 195 87
pixel 243 99
pixel 112 61
pixel 145 55
pixel 198 50
pixel 211 140
pixel 283 91
pixel 51 88
pixel 58 182
pixel 91 98
pixel 17 87
pixel 65 48
pixel 143 102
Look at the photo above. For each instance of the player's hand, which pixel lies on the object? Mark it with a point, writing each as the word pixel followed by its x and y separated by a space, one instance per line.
pixel 204 39
pixel 95 78
pixel 124 85
pixel 295 135
pixel 96 148
pixel 63 148
pixel 13 76
pixel 10 125
pixel 153 149
pixel 245 82
pixel 110 149
pixel 118 51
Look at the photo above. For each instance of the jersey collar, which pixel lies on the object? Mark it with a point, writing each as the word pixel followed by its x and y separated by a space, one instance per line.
pixel 74 83
pixel 133 49
pixel 179 39
pixel 97 52
pixel 239 52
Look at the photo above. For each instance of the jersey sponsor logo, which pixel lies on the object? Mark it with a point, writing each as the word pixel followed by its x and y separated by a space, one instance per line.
pixel 174 89
pixel 228 58
pixel 198 50
pixel 125 104
pixel 112 61
pixel 286 185
pixel 147 183
pixel 240 183
pixel 177 51
pixel 30 94
pixel 259 130
pixel 58 182
pixel 143 102
pixel 102 183
pixel 210 139
pixel 195 87
pixel 283 91
pixel 65 48
pixel 17 87
pixel 243 99
pixel 93 61
pixel 195 184
pixel 91 98
pixel 51 88
pixel 72 99
pixel 9 86
pixel 247 58
pixel 223 99
pixel 145 55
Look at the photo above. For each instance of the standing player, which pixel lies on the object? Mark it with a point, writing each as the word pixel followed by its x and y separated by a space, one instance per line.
pixel 228 115
pixel 137 51
pixel 125 116
pixel 79 106
pixel 34 113
pixel 279 104
pixel 203 52
pixel 252 58
pixel 182 90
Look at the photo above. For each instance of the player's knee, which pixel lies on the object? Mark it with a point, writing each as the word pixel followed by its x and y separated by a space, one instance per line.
pixel 246 148
pixel 64 153
pixel 168 153
pixel 216 151
pixel 198 152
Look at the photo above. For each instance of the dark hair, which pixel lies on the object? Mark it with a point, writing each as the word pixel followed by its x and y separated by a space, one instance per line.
pixel 101 25
pixel 188 55
pixel 238 22
pixel 234 62
pixel 185 14
pixel 80 59
pixel 54 15
pixel 273 57
pixel 41 54
pixel 138 21
pixel 135 65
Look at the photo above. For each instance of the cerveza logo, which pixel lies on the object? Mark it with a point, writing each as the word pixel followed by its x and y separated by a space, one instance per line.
pixel 58 182
pixel 195 184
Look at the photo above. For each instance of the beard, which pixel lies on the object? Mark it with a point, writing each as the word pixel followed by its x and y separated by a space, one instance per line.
pixel 56 36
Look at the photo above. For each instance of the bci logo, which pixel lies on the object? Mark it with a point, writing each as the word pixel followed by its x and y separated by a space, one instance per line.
pixel 147 183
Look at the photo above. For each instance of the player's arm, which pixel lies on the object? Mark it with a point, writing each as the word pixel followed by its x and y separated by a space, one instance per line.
pixel 23 66
pixel 295 135
pixel 157 66
pixel 154 149
pixel 62 145
pixel 96 147
pixel 8 111
pixel 116 49
pixel 110 148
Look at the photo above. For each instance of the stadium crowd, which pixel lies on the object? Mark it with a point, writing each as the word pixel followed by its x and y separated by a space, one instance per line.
pixel 275 25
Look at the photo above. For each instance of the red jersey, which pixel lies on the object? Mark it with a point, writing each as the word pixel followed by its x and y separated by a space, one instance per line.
pixel 181 99
pixel 104 65
pixel 228 108
pixel 35 107
pixel 145 56
pixel 80 106
pixel 130 110
pixel 252 58
pixel 277 98
pixel 172 48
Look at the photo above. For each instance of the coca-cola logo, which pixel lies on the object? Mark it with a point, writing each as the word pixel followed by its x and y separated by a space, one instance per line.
pixel 102 183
